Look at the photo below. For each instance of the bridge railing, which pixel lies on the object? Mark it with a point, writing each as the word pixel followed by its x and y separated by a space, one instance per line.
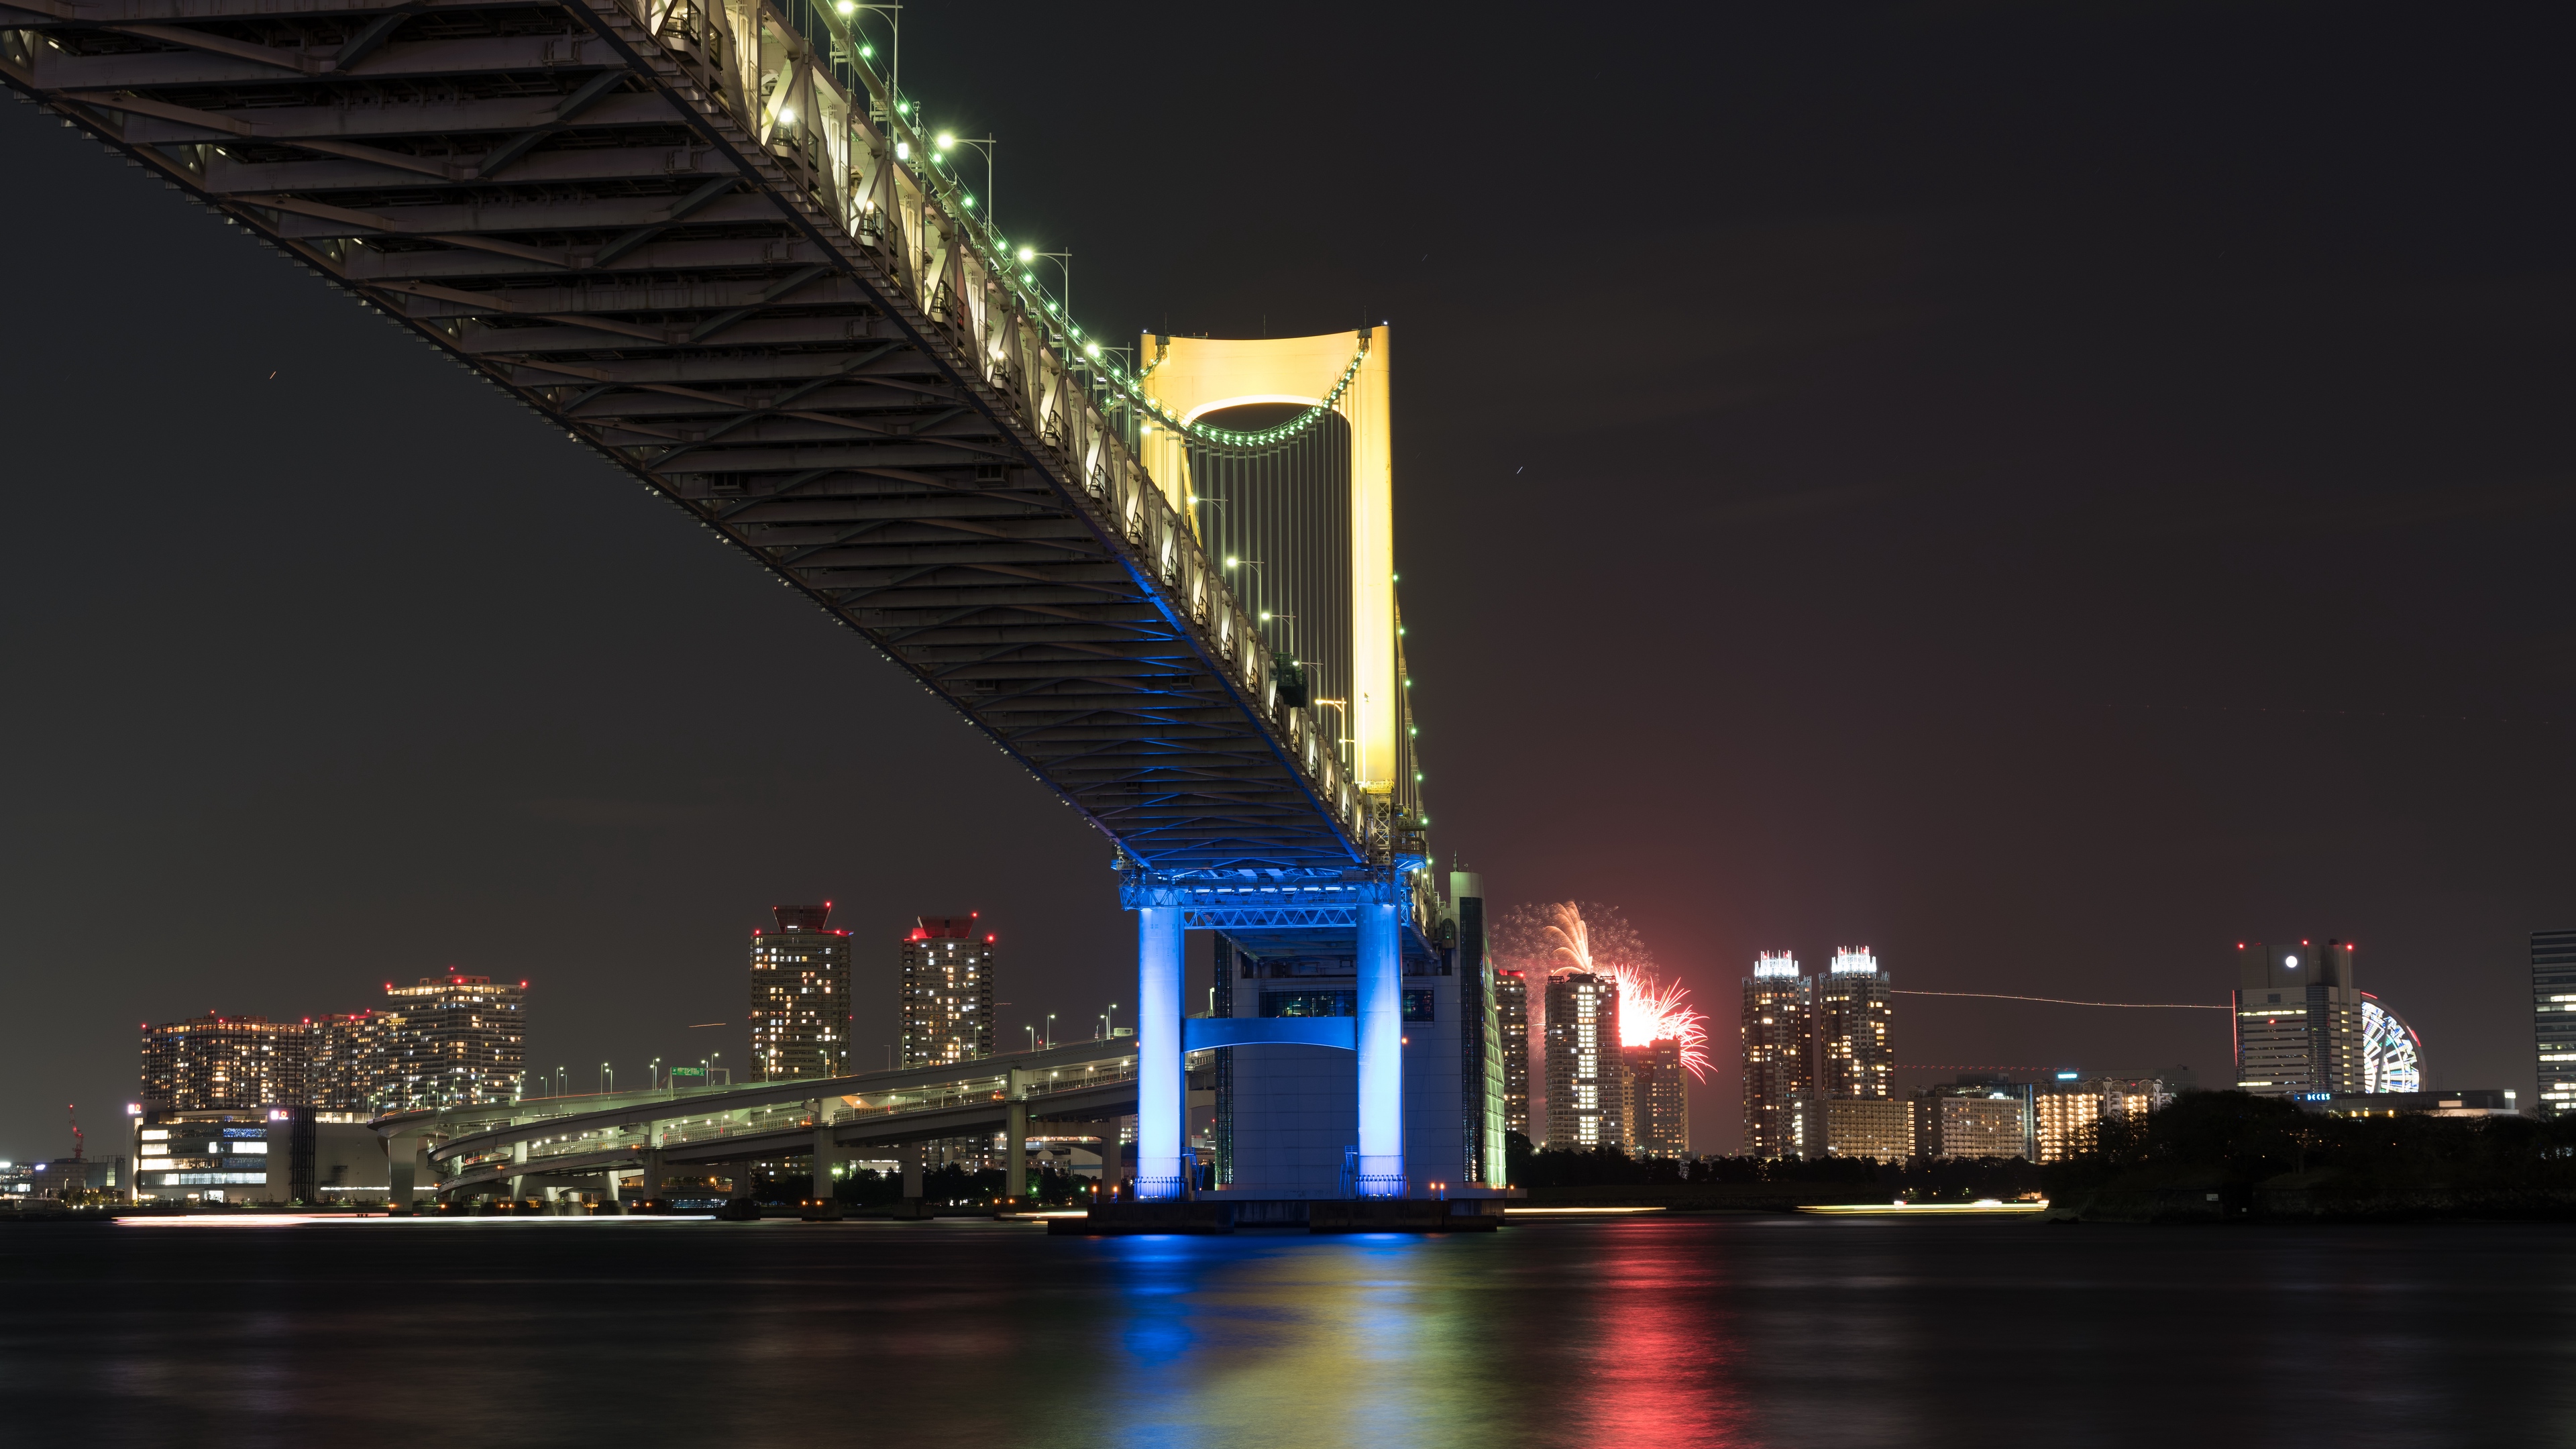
pixel 820 98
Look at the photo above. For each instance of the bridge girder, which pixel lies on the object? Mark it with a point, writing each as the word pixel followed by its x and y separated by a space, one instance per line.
pixel 800 340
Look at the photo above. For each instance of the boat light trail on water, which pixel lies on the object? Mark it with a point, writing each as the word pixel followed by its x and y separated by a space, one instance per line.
pixel 2062 1001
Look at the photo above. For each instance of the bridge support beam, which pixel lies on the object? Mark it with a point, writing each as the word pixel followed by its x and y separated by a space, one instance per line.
pixel 1162 1098
pixel 1381 1053
pixel 911 1159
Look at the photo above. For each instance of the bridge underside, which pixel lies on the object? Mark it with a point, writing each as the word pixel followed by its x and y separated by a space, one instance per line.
pixel 576 201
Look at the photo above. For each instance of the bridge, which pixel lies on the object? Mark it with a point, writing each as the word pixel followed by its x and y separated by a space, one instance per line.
pixel 714 242
pixel 1071 1091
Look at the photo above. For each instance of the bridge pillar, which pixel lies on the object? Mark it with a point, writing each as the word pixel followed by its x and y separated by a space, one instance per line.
pixel 1015 1137
pixel 824 1157
pixel 911 1159
pixel 1162 1100
pixel 1381 1054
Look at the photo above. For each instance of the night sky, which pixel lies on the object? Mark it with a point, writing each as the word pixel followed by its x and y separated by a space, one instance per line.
pixel 2045 492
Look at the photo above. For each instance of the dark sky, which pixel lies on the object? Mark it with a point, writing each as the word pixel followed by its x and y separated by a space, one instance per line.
pixel 2046 492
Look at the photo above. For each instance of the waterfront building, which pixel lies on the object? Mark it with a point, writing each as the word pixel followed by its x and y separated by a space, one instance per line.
pixel 1878 1128
pixel 1855 1055
pixel 2476 1102
pixel 2298 1020
pixel 1975 1117
pixel 1512 1017
pixel 947 991
pixel 224 1063
pixel 276 1154
pixel 1659 1096
pixel 1587 1079
pixel 800 996
pixel 349 1061
pixel 453 1041
pixel 2553 1018
pixel 2068 1111
pixel 1778 1029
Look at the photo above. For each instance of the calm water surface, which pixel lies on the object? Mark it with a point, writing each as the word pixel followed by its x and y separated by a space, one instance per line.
pixel 1717 1330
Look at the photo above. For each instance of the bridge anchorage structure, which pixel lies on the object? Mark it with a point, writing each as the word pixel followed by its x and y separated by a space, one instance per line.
pixel 712 242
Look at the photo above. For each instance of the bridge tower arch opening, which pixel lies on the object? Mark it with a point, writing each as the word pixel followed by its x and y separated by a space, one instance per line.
pixel 1298 511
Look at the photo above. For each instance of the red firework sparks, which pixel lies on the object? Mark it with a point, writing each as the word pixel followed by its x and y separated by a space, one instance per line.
pixel 1653 1010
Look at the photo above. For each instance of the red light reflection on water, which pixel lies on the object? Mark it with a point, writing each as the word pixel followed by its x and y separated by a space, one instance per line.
pixel 1663 1348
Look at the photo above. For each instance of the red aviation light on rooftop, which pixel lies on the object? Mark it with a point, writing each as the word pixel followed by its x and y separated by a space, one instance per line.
pixel 990 938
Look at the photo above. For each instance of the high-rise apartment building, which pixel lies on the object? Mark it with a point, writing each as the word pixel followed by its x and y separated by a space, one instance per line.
pixel 947 991
pixel 350 1053
pixel 2553 1018
pixel 453 1041
pixel 225 1064
pixel 2067 1113
pixel 2298 1020
pixel 1779 1056
pixel 1659 1096
pixel 1511 1012
pixel 800 996
pixel 1855 1055
pixel 1587 1079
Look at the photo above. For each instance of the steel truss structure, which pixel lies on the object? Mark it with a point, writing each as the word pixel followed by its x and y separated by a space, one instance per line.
pixel 701 236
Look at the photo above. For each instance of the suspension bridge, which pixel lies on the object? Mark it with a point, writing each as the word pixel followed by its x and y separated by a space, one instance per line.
pixel 715 242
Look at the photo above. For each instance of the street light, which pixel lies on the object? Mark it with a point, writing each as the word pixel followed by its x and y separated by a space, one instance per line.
pixel 1064 263
pixel 948 140
pixel 1050 1032
pixel 607 1078
pixel 894 66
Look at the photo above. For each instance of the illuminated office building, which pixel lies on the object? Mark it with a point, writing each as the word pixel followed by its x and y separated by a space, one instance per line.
pixel 1779 1056
pixel 2553 1018
pixel 800 996
pixel 2298 1020
pixel 1511 1011
pixel 225 1063
pixel 1587 1079
pixel 453 1041
pixel 1855 1055
pixel 947 992
pixel 1658 1098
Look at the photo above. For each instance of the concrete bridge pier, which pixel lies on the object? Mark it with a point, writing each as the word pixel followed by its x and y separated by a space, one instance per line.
pixel 1161 1091
pixel 1381 1053
pixel 1015 1137
pixel 826 1157
pixel 910 1157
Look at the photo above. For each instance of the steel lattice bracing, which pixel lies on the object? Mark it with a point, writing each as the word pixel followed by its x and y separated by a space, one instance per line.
pixel 682 231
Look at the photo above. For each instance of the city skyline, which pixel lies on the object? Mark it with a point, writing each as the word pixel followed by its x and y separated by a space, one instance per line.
pixel 2056 591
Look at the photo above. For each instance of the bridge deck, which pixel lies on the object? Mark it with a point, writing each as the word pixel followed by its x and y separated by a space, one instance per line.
pixel 615 215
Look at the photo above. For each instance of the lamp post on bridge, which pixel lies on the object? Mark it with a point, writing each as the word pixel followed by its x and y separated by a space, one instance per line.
pixel 1030 256
pixel 947 140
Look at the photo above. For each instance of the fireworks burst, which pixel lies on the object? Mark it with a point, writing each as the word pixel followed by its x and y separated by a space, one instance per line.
pixel 1578 936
